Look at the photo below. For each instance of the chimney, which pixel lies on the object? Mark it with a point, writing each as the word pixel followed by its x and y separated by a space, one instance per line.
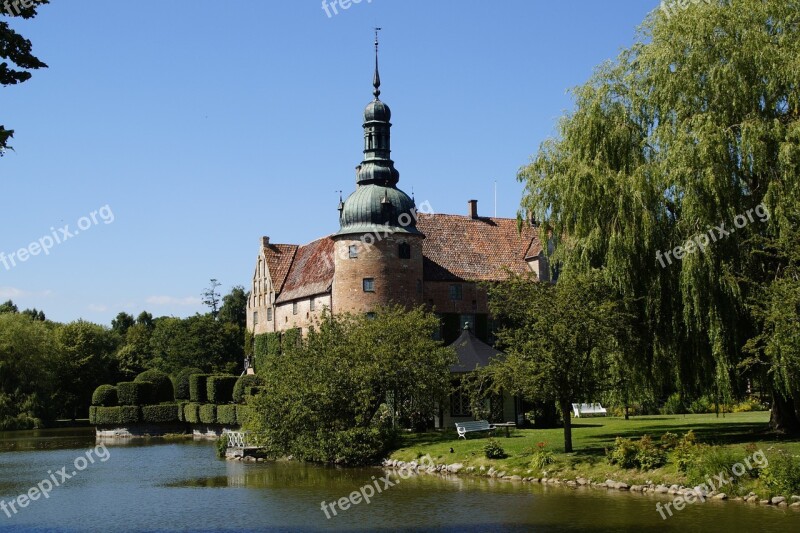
pixel 264 242
pixel 473 208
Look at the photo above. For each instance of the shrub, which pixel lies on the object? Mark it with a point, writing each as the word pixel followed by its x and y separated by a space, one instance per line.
pixel 220 389
pixel 163 390
pixel 493 450
pixel 674 405
pixel 360 446
pixel 181 411
pixel 623 454
pixel 181 383
pixel 208 413
pixel 643 454
pixel 648 455
pixel 243 414
pixel 120 415
pixel 191 413
pixel 135 393
pixel 222 445
pixel 244 387
pixel 542 457
pixel 105 396
pixel 782 474
pixel 93 415
pixel 197 388
pixel 226 414
pixel 160 414
pixel 749 404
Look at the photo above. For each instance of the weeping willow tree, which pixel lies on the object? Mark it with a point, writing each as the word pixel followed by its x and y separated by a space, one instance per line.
pixel 692 128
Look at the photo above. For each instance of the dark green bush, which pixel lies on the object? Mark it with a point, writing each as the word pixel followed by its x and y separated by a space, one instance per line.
pixel 623 454
pixel 162 385
pixel 121 415
pixel 222 445
pixel 191 413
pixel 160 414
pixel 208 413
pixel 219 389
pixel 105 396
pixel 181 383
pixel 226 414
pixel 493 450
pixel 198 388
pixel 93 415
pixel 135 393
pixel 244 386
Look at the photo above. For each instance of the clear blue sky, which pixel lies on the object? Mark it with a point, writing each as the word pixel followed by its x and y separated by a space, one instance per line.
pixel 204 125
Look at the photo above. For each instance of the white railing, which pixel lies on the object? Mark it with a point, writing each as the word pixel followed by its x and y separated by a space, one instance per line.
pixel 237 439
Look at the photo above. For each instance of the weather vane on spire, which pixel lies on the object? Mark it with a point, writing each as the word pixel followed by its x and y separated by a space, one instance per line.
pixel 376 80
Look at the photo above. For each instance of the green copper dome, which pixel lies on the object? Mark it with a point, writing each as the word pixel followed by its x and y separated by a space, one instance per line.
pixel 376 208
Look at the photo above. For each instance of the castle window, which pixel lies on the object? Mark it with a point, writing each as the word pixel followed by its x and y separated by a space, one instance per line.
pixel 369 285
pixel 269 314
pixel 255 317
pixel 405 250
pixel 312 304
pixel 456 292
pixel 294 308
pixel 353 251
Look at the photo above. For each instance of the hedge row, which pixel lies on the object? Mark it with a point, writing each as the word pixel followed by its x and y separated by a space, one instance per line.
pixel 219 389
pixel 245 386
pixel 161 414
pixel 191 413
pixel 162 386
pixel 182 383
pixel 105 396
pixel 133 393
pixel 198 388
pixel 120 415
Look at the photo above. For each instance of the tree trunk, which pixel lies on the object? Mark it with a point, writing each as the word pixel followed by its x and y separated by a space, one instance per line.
pixel 627 414
pixel 783 416
pixel 565 412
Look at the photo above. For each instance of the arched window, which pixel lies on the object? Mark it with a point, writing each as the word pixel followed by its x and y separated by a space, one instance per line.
pixel 405 250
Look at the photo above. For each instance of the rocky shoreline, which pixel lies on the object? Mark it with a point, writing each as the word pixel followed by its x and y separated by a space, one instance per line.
pixel 609 484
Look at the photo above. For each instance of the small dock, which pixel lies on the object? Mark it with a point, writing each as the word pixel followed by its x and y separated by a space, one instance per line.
pixel 238 445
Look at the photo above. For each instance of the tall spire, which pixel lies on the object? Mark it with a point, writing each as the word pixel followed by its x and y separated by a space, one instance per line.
pixel 376 80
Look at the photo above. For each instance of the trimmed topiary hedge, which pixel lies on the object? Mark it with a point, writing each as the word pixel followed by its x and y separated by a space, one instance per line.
pixel 93 415
pixel 181 383
pixel 181 411
pixel 243 413
pixel 191 413
pixel 226 414
pixel 121 415
pixel 208 413
pixel 162 385
pixel 160 414
pixel 244 387
pixel 198 388
pixel 133 393
pixel 105 396
pixel 219 389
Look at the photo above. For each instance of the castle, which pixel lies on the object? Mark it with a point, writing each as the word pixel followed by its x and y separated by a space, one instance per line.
pixel 386 251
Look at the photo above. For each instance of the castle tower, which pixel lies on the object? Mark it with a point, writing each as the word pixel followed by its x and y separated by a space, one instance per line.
pixel 378 249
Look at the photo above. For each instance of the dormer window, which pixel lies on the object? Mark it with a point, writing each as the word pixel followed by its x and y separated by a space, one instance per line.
pixel 405 250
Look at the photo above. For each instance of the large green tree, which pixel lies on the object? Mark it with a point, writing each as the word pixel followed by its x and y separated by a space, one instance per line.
pixel 692 128
pixel 334 395
pixel 559 339
pixel 17 53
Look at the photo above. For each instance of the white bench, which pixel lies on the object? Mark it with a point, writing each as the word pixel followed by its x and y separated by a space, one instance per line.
pixel 468 427
pixel 588 409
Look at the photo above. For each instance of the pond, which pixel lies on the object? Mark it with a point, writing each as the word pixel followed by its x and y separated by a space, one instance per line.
pixel 181 486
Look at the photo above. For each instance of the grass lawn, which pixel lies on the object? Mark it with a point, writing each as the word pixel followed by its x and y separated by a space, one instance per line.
pixel 591 437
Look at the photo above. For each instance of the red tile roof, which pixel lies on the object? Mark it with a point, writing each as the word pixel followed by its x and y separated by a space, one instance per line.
pixel 462 248
pixel 311 271
pixel 455 248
